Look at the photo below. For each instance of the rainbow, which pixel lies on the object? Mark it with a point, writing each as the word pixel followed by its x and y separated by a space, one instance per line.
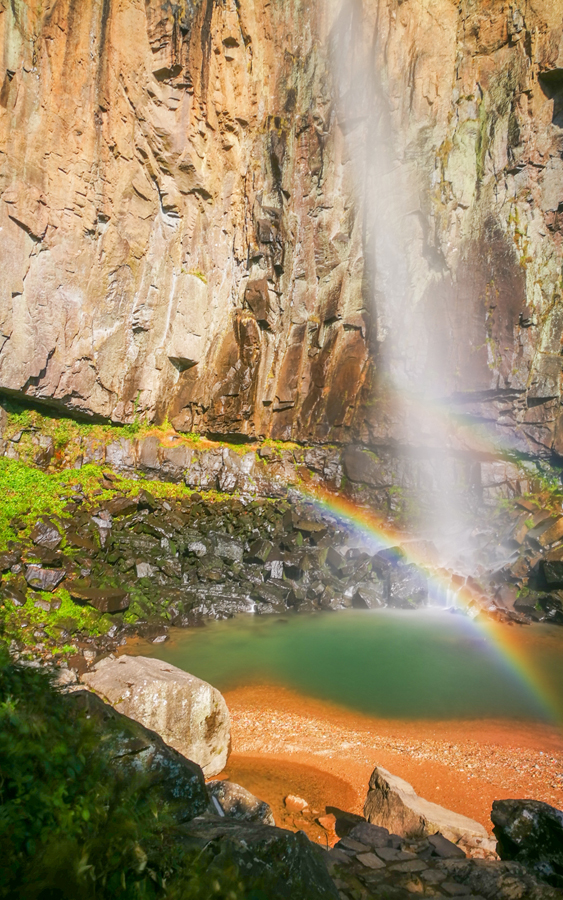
pixel 501 637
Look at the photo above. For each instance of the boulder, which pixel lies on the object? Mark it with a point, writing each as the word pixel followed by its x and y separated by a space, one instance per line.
pixel 187 713
pixel 43 579
pixel 369 596
pixel 259 551
pixel 7 560
pixel 408 587
pixel 271 862
pixel 122 506
pixel 530 832
pixel 226 547
pixel 370 835
pixel 173 781
pixel 14 594
pixel 104 599
pixel 394 804
pixel 46 534
pixel 236 802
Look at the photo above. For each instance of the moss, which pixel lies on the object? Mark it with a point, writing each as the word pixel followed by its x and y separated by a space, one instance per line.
pixel 192 437
pixel 28 493
pixel 71 617
pixel 198 274
pixel 73 826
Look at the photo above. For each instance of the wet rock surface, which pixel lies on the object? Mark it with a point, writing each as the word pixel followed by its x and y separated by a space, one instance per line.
pixel 155 563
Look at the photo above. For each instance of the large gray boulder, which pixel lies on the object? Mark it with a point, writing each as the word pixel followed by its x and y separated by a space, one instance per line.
pixel 187 713
pixel 394 804
pixel 531 832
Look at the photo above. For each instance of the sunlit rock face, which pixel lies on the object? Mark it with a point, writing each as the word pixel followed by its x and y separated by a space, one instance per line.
pixel 465 197
pixel 179 234
pixel 256 217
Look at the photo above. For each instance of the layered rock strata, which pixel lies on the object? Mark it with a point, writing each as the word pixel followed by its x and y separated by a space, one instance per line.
pixel 221 214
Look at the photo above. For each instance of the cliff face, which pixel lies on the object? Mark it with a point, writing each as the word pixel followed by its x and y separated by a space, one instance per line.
pixel 468 255
pixel 179 231
pixel 243 216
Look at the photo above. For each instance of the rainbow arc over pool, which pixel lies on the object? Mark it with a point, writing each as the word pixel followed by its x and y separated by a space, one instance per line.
pixel 501 637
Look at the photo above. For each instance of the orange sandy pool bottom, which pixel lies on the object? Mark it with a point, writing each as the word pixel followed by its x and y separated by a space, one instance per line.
pixel 284 743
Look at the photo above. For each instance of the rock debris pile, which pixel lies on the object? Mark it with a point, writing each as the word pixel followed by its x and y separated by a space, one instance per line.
pixel 369 862
pixel 149 563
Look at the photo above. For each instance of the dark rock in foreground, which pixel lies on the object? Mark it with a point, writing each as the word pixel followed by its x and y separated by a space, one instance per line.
pixel 174 781
pixel 373 864
pixel 531 832
pixel 281 863
pixel 236 802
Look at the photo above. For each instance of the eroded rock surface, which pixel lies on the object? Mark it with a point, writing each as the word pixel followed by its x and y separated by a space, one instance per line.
pixel 178 221
pixel 216 212
pixel 188 713
pixel 137 751
pixel 392 803
pixel 282 864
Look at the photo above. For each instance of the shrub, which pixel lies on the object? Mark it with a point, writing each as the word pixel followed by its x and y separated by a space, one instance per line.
pixel 70 826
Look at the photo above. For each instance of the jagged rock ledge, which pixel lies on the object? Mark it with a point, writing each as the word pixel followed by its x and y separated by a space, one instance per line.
pixel 383 476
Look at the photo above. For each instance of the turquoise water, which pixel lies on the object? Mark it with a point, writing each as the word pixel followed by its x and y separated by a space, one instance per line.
pixel 388 663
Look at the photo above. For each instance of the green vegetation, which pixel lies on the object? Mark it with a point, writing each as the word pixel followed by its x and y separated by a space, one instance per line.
pixel 28 493
pixel 70 826
pixel 70 435
pixel 198 274
pixel 71 617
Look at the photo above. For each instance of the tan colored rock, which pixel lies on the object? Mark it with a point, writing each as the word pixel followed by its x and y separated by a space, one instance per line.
pixel 294 803
pixel 187 713
pixel 190 192
pixel 175 207
pixel 554 533
pixel 327 822
pixel 393 804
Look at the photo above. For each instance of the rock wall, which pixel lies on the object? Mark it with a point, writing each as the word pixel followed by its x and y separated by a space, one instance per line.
pixel 245 217
pixel 467 256
pixel 179 234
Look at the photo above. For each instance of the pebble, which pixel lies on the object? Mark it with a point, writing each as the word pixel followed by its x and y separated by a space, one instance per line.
pixel 295 804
